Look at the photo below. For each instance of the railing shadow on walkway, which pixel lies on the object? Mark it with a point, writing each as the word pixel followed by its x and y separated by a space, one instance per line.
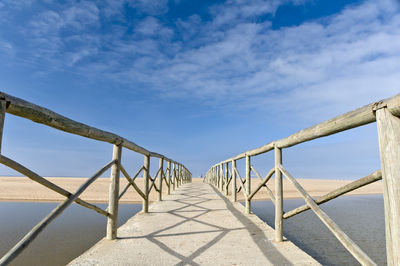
pixel 195 199
pixel 174 175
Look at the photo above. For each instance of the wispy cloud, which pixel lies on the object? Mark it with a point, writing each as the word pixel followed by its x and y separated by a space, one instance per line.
pixel 5 47
pixel 218 70
pixel 232 58
pixel 344 60
pixel 150 7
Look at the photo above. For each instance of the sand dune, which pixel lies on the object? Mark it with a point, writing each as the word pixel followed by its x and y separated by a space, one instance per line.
pixel 24 189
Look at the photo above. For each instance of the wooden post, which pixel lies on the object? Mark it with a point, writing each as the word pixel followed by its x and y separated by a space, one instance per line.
pixel 213 176
pixel 174 177
pixel 248 185
pixel 216 176
pixel 146 177
pixel 234 194
pixel 221 178
pixel 389 147
pixel 278 196
pixel 226 179
pixel 2 117
pixel 183 175
pixel 180 174
pixel 35 231
pixel 112 219
pixel 177 176
pixel 160 178
pixel 169 178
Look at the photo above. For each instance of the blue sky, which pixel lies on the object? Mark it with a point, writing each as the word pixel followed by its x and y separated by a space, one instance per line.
pixel 198 81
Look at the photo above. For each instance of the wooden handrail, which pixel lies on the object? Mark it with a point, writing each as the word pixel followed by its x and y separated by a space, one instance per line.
pixel 352 247
pixel 36 113
pixel 356 118
pixel 386 113
pixel 34 232
pixel 37 178
pixel 371 178
pixel 39 114
pixel 131 182
pixel 263 184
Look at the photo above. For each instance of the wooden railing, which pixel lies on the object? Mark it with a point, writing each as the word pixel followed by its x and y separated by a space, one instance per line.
pixel 174 174
pixel 386 113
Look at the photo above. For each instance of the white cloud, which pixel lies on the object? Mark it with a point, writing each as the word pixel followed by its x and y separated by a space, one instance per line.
pixel 345 60
pixel 150 7
pixel 81 15
pixel 151 27
pixel 348 59
pixel 16 4
pixel 233 11
pixel 78 16
pixel 6 47
pixel 65 35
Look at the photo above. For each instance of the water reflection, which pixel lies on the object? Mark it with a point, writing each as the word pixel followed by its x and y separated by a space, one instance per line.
pixel 360 217
pixel 69 235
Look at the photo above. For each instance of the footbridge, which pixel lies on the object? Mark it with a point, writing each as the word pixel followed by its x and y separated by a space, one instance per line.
pixel 201 223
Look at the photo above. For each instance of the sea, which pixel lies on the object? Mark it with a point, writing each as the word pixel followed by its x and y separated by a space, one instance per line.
pixel 360 217
pixel 68 236
pixel 78 228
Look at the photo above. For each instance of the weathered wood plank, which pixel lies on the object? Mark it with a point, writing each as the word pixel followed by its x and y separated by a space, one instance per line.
pixel 131 182
pixel 2 118
pixel 278 196
pixel 39 114
pixel 389 148
pixel 352 247
pixel 174 177
pixel 263 183
pixel 37 178
pixel 226 180
pixel 160 176
pixel 35 231
pixel 358 117
pixel 153 180
pixel 375 176
pixel 234 192
pixel 241 182
pixel 112 219
pixel 169 178
pixel 146 177
pixel 248 185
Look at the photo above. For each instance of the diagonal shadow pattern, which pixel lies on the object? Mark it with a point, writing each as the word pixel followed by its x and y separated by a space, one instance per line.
pixel 193 208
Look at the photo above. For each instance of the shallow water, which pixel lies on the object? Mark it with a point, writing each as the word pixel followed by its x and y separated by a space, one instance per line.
pixel 360 217
pixel 78 228
pixel 68 236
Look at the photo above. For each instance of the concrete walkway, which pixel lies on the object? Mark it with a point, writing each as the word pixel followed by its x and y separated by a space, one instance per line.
pixel 195 225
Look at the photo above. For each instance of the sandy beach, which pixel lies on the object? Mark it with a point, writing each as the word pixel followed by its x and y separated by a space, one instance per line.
pixel 24 189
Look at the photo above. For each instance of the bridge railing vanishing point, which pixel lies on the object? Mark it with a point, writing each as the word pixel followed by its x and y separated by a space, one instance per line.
pixel 174 174
pixel 386 113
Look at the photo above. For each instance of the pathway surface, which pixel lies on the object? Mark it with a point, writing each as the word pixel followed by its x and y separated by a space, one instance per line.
pixel 195 225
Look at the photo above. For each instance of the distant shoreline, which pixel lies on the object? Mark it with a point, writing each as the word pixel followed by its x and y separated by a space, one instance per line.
pixel 22 189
